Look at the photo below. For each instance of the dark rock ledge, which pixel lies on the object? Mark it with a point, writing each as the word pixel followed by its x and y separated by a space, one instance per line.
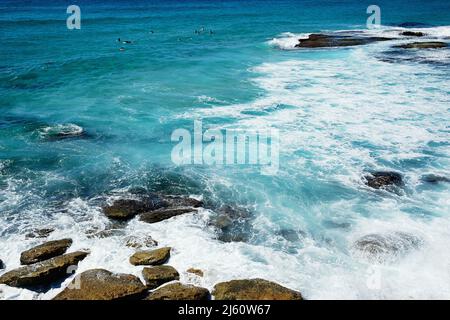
pixel 423 45
pixel 337 40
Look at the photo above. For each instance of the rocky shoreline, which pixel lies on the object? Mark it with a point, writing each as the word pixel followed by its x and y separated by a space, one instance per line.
pixel 48 264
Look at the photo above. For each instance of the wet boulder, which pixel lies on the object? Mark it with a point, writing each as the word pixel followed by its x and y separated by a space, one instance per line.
pixel 138 242
pixel 385 247
pixel 43 273
pixel 45 251
pixel 158 275
pixel 100 284
pixel 124 209
pixel 2 265
pixel 379 180
pixel 164 214
pixel 253 289
pixel 150 257
pixel 423 45
pixel 178 291
pixel 337 40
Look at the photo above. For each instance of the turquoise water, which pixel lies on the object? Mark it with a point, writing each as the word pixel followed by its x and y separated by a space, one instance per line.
pixel 340 112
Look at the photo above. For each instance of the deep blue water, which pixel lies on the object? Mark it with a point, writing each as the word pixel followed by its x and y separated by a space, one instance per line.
pixel 340 112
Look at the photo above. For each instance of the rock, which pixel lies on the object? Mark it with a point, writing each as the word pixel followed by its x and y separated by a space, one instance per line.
pixel 39 233
pixel 289 235
pixel 178 291
pixel 100 284
pixel 197 272
pixel 124 209
pixel 412 34
pixel 139 242
pixel 164 214
pixel 154 208
pixel 45 251
pixel 423 45
pixel 158 275
pixel 150 257
pixel 233 224
pixel 43 273
pixel 384 247
pixel 378 180
pixel 336 40
pixel 431 178
pixel 2 265
pixel 253 289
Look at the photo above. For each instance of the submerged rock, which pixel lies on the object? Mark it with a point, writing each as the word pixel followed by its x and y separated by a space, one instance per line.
pixel 150 257
pixel 337 40
pixel 140 242
pixel 378 180
pixel 158 275
pixel 233 224
pixel 384 247
pixel 164 214
pixel 253 289
pixel 178 291
pixel 412 34
pixel 39 233
pixel 62 131
pixel 431 178
pixel 45 251
pixel 197 272
pixel 43 273
pixel 100 284
pixel 423 45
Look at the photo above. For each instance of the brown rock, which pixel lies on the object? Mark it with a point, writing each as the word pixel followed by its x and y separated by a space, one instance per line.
pixel 423 45
pixel 150 257
pixel 253 289
pixel 43 273
pixel 158 275
pixel 100 284
pixel 164 214
pixel 124 209
pixel 45 251
pixel 197 272
pixel 178 291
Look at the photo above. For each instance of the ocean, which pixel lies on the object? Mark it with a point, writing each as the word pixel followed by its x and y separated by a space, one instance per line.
pixel 340 113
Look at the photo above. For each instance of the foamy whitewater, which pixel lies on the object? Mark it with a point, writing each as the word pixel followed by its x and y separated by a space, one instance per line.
pixel 341 112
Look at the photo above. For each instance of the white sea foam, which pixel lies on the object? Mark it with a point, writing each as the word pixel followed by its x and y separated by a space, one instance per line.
pixel 335 106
